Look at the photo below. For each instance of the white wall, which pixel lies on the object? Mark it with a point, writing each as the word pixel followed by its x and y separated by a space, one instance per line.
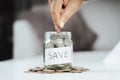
pixel 103 17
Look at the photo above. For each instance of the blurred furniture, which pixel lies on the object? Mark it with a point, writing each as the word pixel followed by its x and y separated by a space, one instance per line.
pixel 103 17
pixel 22 5
pixel 113 58
pixel 27 44
pixel 14 69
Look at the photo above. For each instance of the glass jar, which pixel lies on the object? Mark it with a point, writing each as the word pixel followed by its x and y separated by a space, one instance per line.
pixel 58 51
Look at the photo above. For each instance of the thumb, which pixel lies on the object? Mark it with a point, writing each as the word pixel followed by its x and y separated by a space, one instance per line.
pixel 70 9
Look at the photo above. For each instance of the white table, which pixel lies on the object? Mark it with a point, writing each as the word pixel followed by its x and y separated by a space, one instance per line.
pixel 14 69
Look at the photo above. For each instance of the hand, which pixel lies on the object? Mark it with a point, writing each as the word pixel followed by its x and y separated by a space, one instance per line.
pixel 62 10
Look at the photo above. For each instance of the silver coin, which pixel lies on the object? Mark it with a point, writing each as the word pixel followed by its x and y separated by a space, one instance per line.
pixel 39 68
pixel 49 45
pixel 67 42
pixel 59 45
pixel 48 71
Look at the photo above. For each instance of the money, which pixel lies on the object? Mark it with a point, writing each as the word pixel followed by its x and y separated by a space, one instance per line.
pixel 41 70
pixel 36 69
pixel 58 41
pixel 67 42
pixel 49 45
pixel 63 71
pixel 48 71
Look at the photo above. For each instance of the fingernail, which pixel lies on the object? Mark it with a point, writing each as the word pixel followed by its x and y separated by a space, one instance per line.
pixel 58 29
pixel 62 24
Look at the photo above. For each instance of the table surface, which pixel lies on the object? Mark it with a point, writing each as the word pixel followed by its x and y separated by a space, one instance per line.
pixel 14 69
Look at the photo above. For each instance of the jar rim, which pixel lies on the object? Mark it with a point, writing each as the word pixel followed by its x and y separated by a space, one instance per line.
pixel 48 33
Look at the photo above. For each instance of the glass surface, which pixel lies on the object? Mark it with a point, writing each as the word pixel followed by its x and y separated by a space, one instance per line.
pixel 54 40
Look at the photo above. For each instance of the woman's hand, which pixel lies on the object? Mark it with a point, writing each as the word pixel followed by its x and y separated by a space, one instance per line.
pixel 62 10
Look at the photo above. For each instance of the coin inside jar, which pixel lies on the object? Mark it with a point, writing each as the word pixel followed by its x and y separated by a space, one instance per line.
pixel 58 50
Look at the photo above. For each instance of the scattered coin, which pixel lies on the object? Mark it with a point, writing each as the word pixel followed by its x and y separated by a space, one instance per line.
pixel 41 70
pixel 48 71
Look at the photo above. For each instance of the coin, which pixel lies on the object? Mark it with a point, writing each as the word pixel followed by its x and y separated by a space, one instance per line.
pixel 48 71
pixel 43 70
pixel 59 45
pixel 59 71
pixel 39 68
pixel 49 45
pixel 67 42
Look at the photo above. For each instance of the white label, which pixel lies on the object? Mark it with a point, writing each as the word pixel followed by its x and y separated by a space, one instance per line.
pixel 58 55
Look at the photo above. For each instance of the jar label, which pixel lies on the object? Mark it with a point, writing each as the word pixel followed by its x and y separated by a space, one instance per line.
pixel 58 55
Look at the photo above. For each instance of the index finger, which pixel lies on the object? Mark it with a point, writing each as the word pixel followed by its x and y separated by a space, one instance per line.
pixel 55 9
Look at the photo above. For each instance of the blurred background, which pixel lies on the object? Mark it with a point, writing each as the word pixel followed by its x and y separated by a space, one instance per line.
pixel 99 26
pixel 8 12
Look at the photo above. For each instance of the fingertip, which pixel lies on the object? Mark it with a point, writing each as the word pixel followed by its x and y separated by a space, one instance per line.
pixel 62 23
pixel 58 29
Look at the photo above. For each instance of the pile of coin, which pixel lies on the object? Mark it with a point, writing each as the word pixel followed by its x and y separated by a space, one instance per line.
pixel 42 70
pixel 58 40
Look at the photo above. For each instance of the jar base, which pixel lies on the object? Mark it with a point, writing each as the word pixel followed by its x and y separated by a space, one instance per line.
pixel 59 66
